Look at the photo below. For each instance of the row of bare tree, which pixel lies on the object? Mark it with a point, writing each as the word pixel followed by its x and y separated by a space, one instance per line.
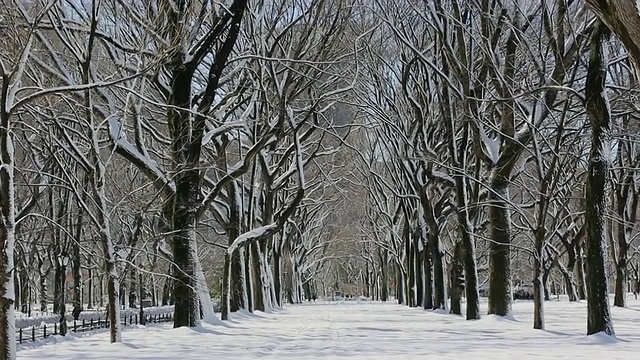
pixel 208 145
pixel 165 148
pixel 498 133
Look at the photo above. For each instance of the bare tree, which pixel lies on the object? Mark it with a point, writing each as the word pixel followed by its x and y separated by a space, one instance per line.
pixel 599 115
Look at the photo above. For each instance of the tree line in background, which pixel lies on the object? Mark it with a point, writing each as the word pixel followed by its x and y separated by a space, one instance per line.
pixel 500 151
pixel 257 152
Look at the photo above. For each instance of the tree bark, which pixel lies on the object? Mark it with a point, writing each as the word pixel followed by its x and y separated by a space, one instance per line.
pixel 90 288
pixel 457 282
pixel 418 271
pixel 226 278
pixel 622 17
pixel 77 275
pixel 626 199
pixel 599 115
pixel 459 155
pixel 400 285
pixel 439 284
pixel 43 284
pixel 236 268
pixel 570 284
pixel 620 287
pixel 545 285
pixel 428 278
pixel 384 276
pixel 253 253
pixel 538 259
pixel 411 290
pixel 581 282
pixel 7 228
pixel 25 299
pixel 538 299
pixel 98 181
pixel 500 251
pixel 569 273
pixel 238 299
pixel 58 286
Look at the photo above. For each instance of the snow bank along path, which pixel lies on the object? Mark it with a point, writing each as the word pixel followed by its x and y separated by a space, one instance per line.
pixel 367 331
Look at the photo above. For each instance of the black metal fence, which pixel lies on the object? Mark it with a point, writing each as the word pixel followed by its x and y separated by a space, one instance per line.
pixel 33 333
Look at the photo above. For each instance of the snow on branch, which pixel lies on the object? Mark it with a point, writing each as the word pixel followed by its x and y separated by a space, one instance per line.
pixel 268 230
pixel 242 168
pixel 491 146
pixel 252 236
pixel 147 165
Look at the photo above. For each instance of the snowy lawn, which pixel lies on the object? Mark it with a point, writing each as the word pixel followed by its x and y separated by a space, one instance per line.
pixel 367 331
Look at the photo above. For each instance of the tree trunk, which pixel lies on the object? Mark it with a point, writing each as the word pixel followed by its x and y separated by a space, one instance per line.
pixel 96 180
pixel 237 299
pixel 457 282
pixel 107 248
pixel 620 289
pixel 538 300
pixel 133 287
pixel 439 283
pixel 569 283
pixel 428 279
pixel 470 274
pixel 248 279
pixel 411 289
pixel 626 222
pixel 89 287
pixel 43 285
pixel 24 292
pixel 166 289
pixel 225 304
pixel 545 284
pixel 101 285
pixel 297 280
pixel 142 292
pixel 272 295
pixel 384 278
pixel 59 286
pixel 400 284
pixel 417 255
pixel 181 209
pixel 513 144
pixel 458 154
pixel 500 251
pixel 277 276
pixel 77 261
pixel 579 273
pixel 77 280
pixel 568 272
pixel 203 306
pixel 538 282
pixel 599 115
pixel 7 231
pixel 122 294
pixel 184 227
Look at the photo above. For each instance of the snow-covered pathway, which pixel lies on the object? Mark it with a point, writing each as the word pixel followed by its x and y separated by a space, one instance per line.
pixel 367 331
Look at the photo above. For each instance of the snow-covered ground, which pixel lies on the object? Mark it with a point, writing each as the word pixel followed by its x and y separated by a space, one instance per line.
pixel 367 331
